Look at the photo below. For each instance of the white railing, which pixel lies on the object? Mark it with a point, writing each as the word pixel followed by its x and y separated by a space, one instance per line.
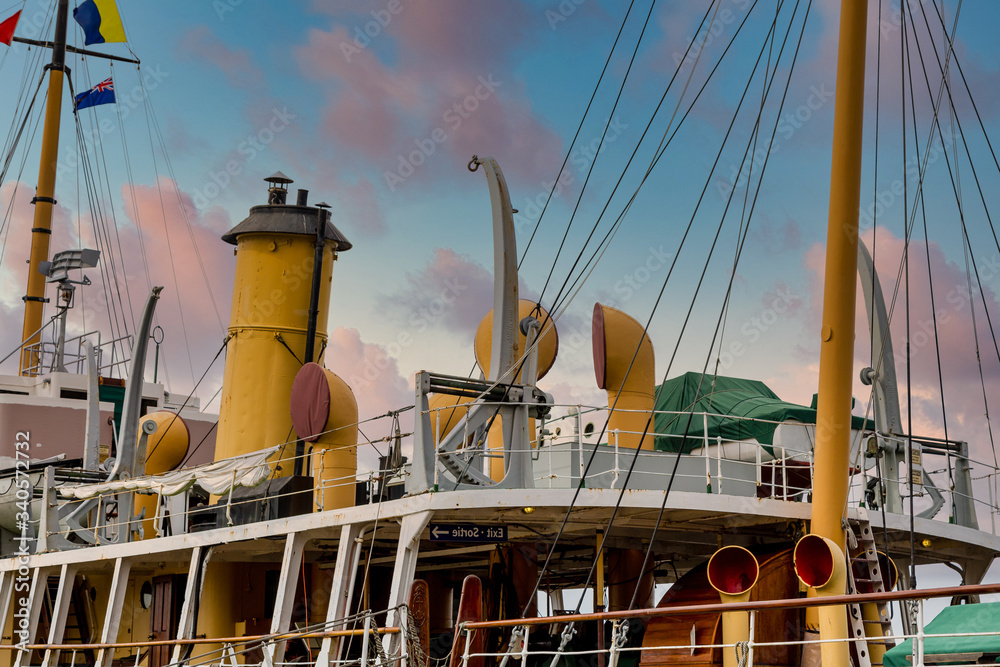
pixel 562 448
pixel 45 354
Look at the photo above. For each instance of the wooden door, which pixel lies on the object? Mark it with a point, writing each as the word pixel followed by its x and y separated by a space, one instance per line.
pixel 162 625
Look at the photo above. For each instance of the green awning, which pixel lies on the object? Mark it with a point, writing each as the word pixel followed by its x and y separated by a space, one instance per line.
pixel 984 617
pixel 733 401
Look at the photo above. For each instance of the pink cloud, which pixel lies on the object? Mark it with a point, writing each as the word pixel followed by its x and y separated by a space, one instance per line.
pixel 201 45
pixel 451 292
pixel 371 372
pixel 963 390
pixel 450 54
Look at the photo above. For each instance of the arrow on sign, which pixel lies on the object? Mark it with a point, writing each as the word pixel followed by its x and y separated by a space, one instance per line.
pixel 437 533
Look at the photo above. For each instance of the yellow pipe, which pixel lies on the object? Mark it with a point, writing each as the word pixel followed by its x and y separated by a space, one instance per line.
pixel 836 374
pixel 44 194
pixel 837 349
pixel 820 564
pixel 269 312
pixel 630 390
pixel 733 572
pixel 335 452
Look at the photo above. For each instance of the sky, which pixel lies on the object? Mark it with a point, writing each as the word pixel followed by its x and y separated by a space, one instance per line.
pixel 377 108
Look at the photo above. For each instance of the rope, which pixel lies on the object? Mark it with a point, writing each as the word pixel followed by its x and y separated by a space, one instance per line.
pixel 414 647
pixel 376 639
pixel 742 653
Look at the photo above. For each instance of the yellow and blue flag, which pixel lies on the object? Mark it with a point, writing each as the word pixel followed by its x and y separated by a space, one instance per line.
pixel 100 21
pixel 102 93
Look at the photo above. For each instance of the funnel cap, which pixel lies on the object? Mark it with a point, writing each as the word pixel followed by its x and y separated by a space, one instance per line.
pixel 268 219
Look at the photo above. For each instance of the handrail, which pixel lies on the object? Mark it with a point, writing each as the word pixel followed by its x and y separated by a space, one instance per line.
pixel 758 605
pixel 200 640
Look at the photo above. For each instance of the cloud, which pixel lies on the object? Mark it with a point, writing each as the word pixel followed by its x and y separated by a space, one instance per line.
pixel 955 337
pixel 451 89
pixel 201 45
pixel 371 372
pixel 452 292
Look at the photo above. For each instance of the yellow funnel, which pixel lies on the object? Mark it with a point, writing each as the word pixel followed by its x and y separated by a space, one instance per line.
pixel 820 565
pixel 733 572
pixel 631 391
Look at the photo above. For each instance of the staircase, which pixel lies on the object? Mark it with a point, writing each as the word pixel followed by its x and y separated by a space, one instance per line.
pixel 78 623
pixel 867 574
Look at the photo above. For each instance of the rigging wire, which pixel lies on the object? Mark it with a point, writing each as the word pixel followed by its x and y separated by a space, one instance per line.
pixel 593 453
pixel 598 253
pixel 569 151
pixel 170 248
pixel 673 473
pixel 904 59
pixel 708 182
pixel 597 153
pixel 930 271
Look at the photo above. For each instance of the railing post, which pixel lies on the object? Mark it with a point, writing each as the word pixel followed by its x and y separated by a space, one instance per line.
pixel 704 428
pixel 366 642
pixel 404 625
pixel 524 646
pixel 758 457
pixel 784 474
pixel 468 647
pixel 919 661
pixel 718 462
pixel 753 621
pixel 617 467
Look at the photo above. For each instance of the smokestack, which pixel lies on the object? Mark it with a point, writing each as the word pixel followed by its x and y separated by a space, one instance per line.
pixel 302 198
pixel 275 261
pixel 277 188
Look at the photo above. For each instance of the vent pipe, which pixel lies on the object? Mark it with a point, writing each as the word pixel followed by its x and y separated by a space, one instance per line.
pixel 733 572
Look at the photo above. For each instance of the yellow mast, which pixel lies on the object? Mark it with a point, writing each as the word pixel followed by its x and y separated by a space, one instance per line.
pixel 34 299
pixel 833 419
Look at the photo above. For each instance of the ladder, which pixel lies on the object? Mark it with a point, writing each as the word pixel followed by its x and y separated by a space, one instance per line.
pixel 865 575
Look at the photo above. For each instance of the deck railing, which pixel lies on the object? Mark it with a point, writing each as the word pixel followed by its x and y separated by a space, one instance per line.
pixel 410 653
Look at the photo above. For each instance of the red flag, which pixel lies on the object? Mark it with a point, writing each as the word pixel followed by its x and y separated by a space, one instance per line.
pixel 7 28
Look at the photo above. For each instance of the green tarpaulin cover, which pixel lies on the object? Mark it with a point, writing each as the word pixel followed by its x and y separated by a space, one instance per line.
pixel 729 398
pixel 983 617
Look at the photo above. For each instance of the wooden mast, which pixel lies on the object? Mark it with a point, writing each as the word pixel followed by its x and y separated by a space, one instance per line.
pixel 833 418
pixel 34 299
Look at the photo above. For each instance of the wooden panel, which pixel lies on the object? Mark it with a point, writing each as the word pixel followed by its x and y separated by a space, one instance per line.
pixel 776 581
pixel 692 588
pixel 470 608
